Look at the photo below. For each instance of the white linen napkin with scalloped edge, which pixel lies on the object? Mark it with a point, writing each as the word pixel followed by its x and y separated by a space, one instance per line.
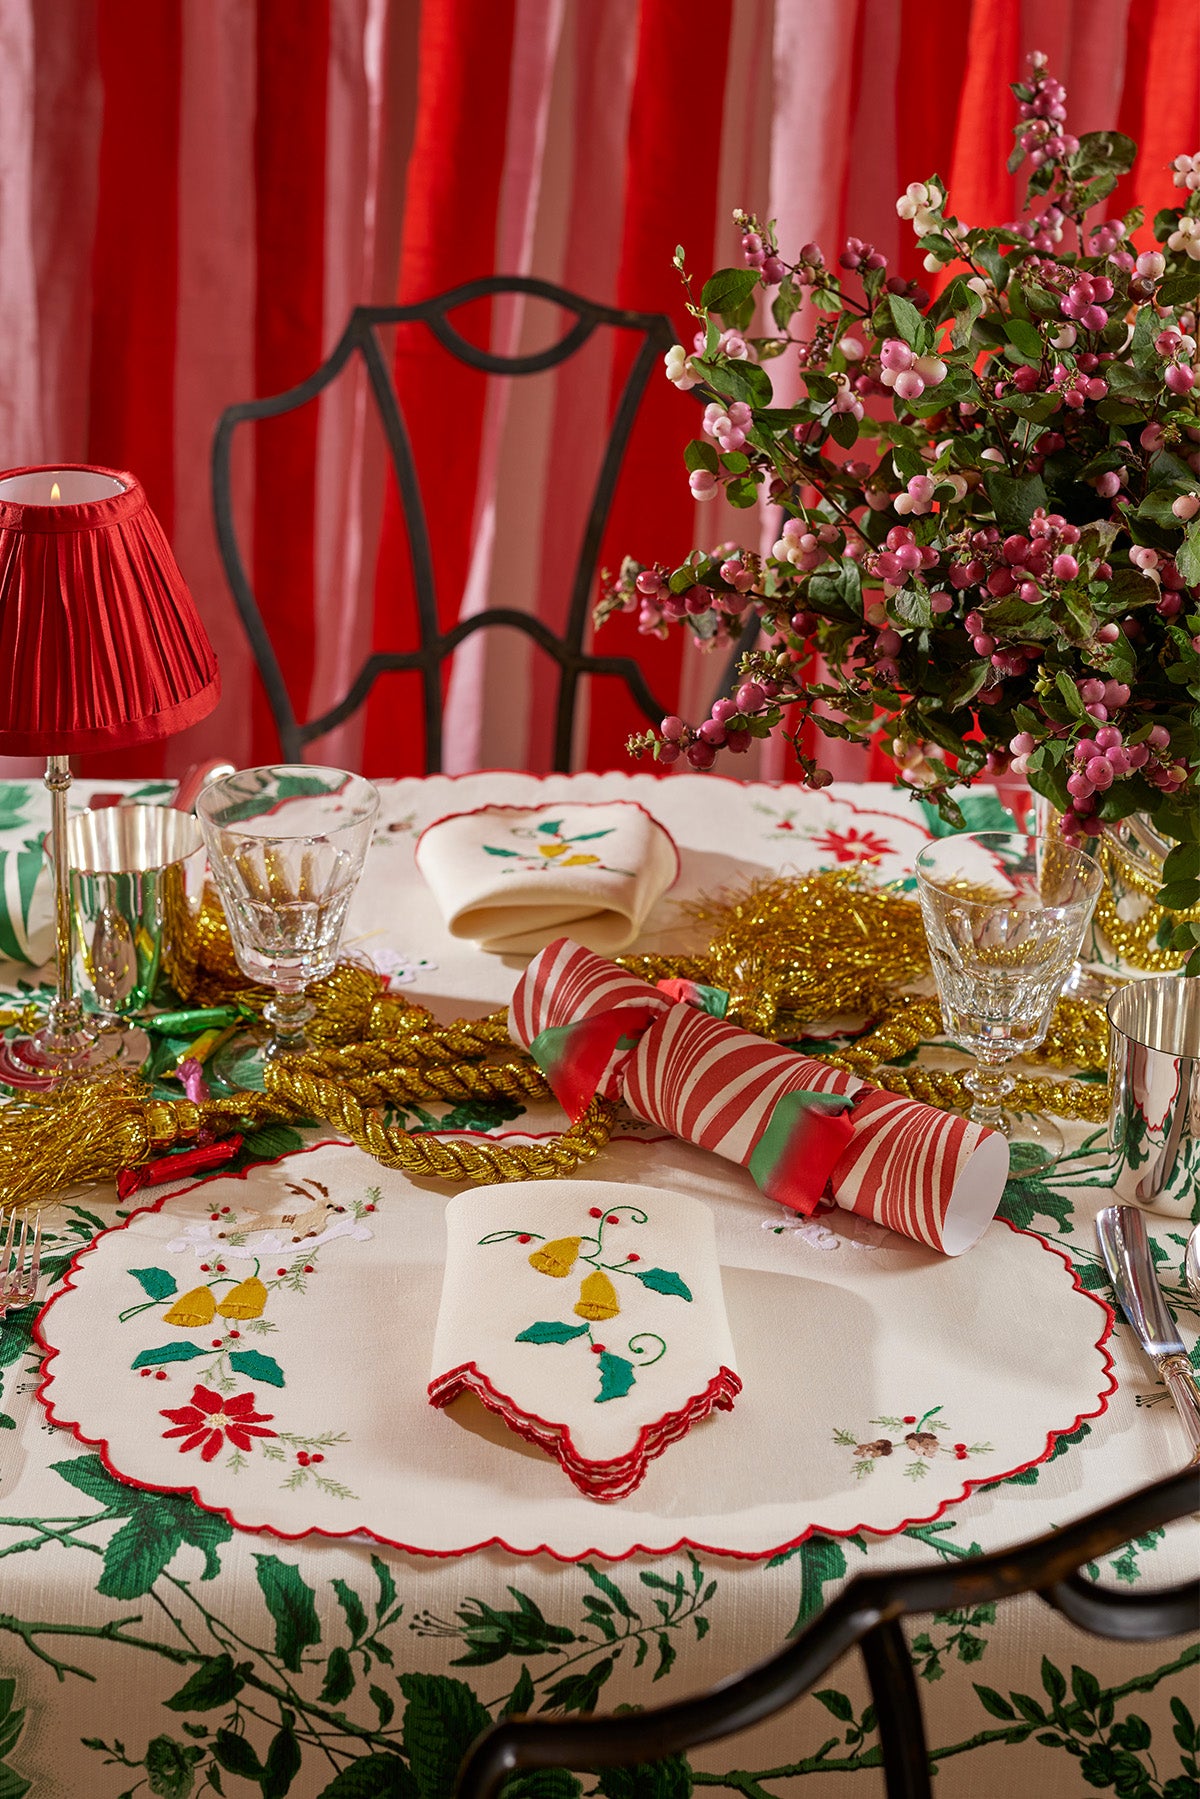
pixel 589 1316
pixel 513 878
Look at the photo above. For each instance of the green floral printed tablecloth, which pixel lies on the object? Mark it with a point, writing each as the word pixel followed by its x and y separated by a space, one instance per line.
pixel 147 1647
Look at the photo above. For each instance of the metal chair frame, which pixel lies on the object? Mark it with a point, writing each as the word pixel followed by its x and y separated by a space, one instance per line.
pixel 867 1614
pixel 361 337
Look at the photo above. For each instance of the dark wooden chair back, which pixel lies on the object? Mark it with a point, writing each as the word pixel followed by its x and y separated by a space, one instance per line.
pixel 867 1614
pixel 361 337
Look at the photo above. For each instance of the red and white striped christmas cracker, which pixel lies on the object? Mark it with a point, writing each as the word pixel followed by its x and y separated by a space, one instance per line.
pixel 930 1175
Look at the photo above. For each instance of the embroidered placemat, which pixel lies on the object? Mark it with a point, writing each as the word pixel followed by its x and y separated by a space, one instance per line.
pixel 265 1342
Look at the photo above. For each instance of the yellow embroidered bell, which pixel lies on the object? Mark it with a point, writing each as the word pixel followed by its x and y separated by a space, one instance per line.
pixel 557 1258
pixel 597 1298
pixel 246 1300
pixel 193 1309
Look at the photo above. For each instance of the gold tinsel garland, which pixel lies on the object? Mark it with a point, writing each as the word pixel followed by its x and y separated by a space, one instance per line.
pixel 789 951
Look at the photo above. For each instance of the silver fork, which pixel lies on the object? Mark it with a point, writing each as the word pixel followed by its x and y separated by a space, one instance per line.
pixel 20 1262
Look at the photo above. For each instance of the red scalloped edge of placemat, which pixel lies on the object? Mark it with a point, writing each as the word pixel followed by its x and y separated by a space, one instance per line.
pixel 623 1473
pixel 497 1542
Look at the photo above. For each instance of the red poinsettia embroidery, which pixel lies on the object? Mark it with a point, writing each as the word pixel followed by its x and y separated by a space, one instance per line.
pixel 853 845
pixel 211 1418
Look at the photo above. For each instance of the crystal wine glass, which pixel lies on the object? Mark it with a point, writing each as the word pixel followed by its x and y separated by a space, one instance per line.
pixel 1005 914
pixel 286 846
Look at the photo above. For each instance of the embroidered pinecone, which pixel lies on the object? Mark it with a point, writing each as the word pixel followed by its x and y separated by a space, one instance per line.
pixel 923 1442
pixel 881 1447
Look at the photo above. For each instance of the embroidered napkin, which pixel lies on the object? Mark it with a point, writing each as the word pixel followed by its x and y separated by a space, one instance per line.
pixel 512 878
pixel 589 1316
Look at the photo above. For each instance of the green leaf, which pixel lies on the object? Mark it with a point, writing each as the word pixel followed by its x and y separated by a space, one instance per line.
pixel 837 1703
pixel 291 1602
pixel 616 1377
pixel 256 1366
pixel 1187 556
pixel 521 1699
pixel 1014 499
pixel 214 1683
pixel 373 1777
pixel 384 1704
pixel 339 1677
pixel 908 320
pixel 993 1702
pixel 352 1605
pixel 178 1351
pixel 1053 1681
pixel 282 1764
pixel 236 1755
pixel 843 428
pixel 1026 338
pixel 662 1280
pixel 1178 896
pixel 442 1718
pixel 821 1560
pixel 1070 694
pixel 742 492
pixel 728 289
pixel 155 1283
pixel 387 1588
pixel 168 1768
pixel 136 1556
pixel 697 455
pixel 490 850
pixel 610 1590
pixel 549 1330
pixel 1085 1687
pixel 737 379
pixel 579 1692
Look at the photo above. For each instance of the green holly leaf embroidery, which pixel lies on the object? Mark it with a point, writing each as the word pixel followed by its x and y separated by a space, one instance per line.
pixel 616 1377
pixel 256 1366
pixel 156 1283
pixel 661 1280
pixel 549 1331
pixel 550 829
pixel 168 1352
pixel 489 850
pixel 589 836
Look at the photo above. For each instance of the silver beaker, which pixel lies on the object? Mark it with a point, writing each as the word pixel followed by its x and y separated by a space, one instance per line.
pixel 1154 1093
pixel 137 878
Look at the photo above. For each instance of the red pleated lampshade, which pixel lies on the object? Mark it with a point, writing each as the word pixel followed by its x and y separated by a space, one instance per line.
pixel 101 646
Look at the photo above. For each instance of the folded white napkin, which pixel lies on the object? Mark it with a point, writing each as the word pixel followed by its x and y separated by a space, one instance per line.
pixel 589 1316
pixel 512 878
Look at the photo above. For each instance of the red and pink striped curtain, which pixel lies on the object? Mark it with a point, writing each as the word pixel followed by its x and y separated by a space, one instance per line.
pixel 194 193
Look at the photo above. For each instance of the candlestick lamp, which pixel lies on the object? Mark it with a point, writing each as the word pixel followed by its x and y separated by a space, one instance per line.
pixel 101 648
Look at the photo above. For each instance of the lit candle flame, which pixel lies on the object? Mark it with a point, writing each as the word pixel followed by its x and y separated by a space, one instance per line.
pixel 55 491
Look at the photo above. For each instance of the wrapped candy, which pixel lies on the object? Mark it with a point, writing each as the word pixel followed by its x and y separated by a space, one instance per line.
pixel 798 1125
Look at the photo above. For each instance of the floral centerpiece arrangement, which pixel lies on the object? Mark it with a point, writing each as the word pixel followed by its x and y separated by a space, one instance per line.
pixel 990 500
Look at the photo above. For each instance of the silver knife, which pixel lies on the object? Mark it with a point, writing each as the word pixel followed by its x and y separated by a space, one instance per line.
pixel 1126 1251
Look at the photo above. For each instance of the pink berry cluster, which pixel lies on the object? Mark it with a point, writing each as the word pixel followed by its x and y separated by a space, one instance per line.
pixel 989 508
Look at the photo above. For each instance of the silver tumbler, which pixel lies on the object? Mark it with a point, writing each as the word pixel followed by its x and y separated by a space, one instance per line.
pixel 1154 1093
pixel 137 879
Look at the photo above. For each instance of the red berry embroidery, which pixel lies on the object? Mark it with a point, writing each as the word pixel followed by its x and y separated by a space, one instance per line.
pixel 215 1216
pixel 220 1267
pixel 368 1208
pixel 216 1342
pixel 612 1219
pixel 160 1374
pixel 635 1257
pixel 318 1458
pixel 597 1349
pixel 225 1208
pixel 308 1267
pixel 960 1449
pixel 235 1333
pixel 302 1457
pixel 145 1372
pixel 281 1271
pixel 205 1268
pixel 524 1237
pixel 910 1419
pixel 595 1212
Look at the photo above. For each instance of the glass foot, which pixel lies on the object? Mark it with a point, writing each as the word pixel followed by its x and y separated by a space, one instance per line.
pixel 1035 1143
pixel 46 1059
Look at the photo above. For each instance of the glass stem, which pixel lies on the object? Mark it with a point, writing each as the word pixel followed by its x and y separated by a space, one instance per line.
pixel 287 1014
pixel 989 1085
